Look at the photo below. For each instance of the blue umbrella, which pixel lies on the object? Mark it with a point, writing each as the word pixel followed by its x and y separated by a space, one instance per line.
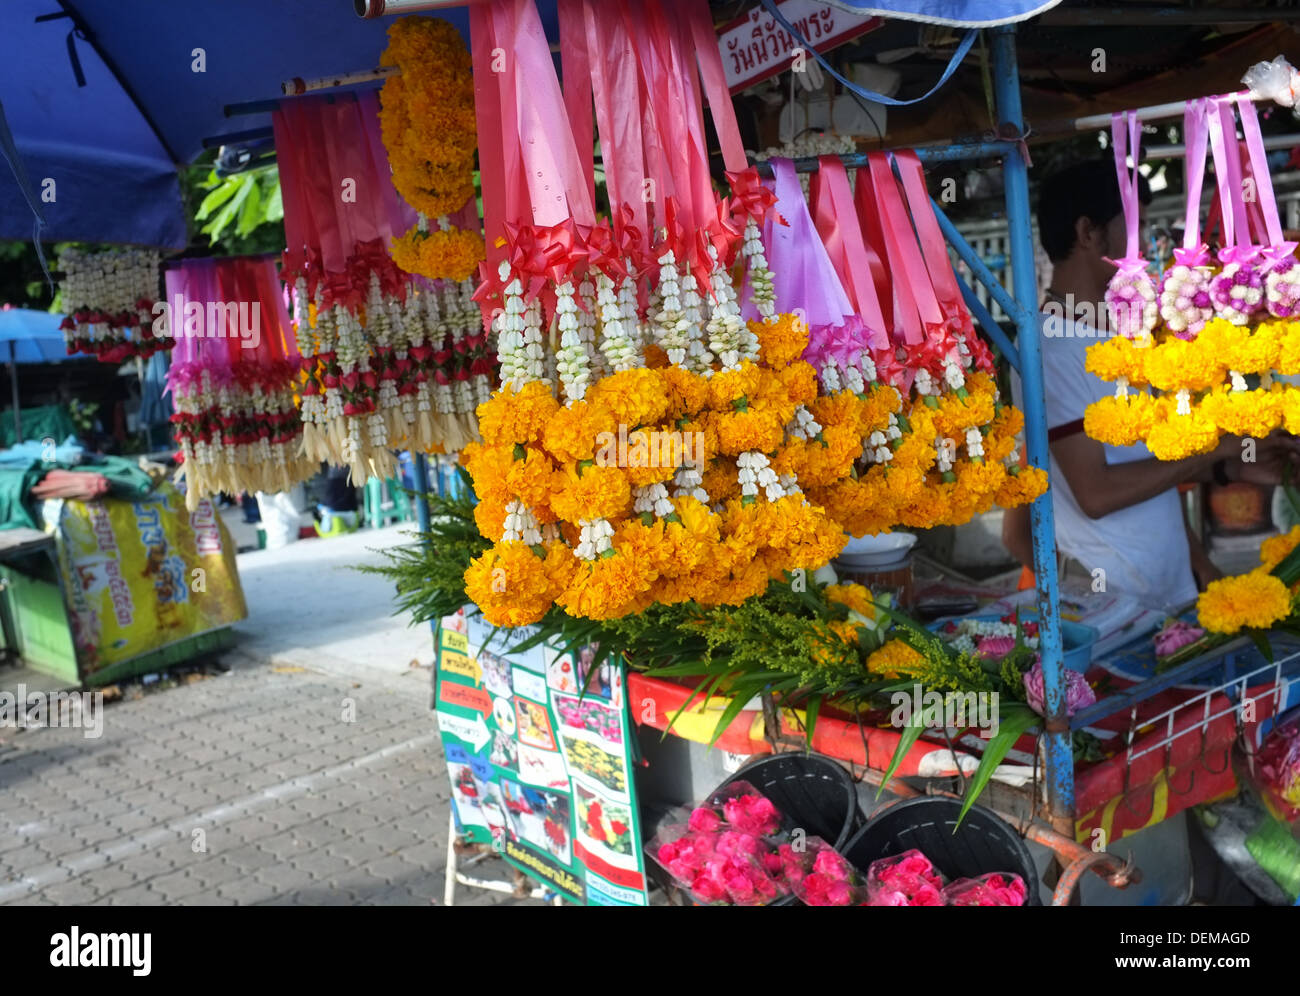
pixel 29 337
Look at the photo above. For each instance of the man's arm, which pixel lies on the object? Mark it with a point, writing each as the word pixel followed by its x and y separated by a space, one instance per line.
pixel 1101 488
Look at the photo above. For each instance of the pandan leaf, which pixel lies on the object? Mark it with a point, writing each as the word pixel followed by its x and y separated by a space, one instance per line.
pixel 910 735
pixel 1013 720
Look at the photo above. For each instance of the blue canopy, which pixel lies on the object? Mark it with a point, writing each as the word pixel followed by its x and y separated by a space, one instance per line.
pixel 961 13
pixel 31 337
pixel 158 75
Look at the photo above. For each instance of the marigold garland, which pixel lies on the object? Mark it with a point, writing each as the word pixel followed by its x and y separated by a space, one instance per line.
pixel 431 135
pixel 1204 383
pixel 1276 548
pixel 1248 601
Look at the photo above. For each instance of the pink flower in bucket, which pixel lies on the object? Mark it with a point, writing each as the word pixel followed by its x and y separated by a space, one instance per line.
pixel 822 876
pixel 996 889
pixel 1175 636
pixel 994 648
pixel 907 879
pixel 749 812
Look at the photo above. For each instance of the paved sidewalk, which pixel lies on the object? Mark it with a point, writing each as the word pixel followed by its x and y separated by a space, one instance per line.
pixel 247 788
pixel 310 774
pixel 308 606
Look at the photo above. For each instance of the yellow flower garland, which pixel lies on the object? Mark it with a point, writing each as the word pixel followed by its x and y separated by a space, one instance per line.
pixel 1248 601
pixel 429 130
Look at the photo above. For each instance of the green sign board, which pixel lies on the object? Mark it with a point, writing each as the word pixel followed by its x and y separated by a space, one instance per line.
pixel 540 769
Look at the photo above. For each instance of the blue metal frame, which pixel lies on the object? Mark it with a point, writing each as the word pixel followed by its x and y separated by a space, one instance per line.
pixel 1057 740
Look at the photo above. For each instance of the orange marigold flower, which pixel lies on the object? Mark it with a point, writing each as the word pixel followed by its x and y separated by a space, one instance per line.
pixel 510 584
pixel 574 432
pixel 632 397
pixel 781 340
pixel 593 492
pixel 516 416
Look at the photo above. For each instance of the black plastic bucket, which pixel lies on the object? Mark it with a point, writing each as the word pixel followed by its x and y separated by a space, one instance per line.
pixel 983 843
pixel 813 793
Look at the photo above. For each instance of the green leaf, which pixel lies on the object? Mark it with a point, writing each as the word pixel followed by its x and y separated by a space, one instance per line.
pixel 740 696
pixel 250 215
pixel 274 210
pixel 814 710
pixel 216 198
pixel 230 211
pixel 1013 721
pixel 910 735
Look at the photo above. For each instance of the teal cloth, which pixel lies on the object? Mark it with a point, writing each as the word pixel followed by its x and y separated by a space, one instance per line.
pixel 21 469
pixel 43 422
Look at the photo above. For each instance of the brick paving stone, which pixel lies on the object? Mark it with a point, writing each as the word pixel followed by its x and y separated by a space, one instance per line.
pixel 257 759
pixel 113 878
pixel 247 859
pixel 138 895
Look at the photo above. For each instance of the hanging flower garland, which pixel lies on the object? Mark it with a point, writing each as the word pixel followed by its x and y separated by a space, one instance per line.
pixel 396 362
pixel 232 379
pixel 108 297
pixel 662 431
pixel 430 133
pixel 1224 332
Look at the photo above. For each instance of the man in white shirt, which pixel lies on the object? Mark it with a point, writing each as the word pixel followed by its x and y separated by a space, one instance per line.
pixel 1117 508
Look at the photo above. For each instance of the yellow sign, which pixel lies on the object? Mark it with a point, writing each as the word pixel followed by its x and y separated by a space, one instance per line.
pixel 140 575
pixel 461 664
pixel 452 640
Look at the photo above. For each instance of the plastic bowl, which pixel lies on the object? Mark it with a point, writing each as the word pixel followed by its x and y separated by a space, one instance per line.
pixel 884 550
pixel 1076 638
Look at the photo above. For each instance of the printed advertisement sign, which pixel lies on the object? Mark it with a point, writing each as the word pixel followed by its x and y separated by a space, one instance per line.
pixel 140 575
pixel 538 769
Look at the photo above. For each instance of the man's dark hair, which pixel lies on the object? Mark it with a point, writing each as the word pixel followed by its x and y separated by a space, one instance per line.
pixel 1085 189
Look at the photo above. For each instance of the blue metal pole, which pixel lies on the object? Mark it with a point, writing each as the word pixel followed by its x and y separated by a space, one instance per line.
pixel 1057 739
pixel 978 268
pixel 991 328
pixel 421 463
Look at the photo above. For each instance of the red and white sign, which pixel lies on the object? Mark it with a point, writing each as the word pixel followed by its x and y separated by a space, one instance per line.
pixel 755 47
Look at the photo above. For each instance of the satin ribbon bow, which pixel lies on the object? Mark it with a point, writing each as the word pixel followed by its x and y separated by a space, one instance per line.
pixel 1243 255
pixel 1200 256
pixel 631 240
pixel 538 254
pixel 605 253
pixel 750 198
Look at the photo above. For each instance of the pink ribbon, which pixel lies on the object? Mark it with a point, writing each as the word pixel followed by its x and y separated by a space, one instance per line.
pixel 837 224
pixel 1195 135
pixel 1227 168
pixel 1277 249
pixel 1123 140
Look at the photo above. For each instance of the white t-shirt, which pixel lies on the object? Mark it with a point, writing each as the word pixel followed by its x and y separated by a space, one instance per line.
pixel 1143 548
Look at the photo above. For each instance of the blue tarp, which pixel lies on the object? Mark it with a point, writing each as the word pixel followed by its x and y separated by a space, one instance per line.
pixel 159 73
pixel 963 13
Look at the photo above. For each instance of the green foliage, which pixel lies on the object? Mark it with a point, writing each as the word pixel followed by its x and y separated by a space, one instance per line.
pixel 430 573
pixel 235 207
pixel 1014 719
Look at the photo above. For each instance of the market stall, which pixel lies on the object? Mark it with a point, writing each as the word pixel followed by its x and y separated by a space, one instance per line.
pixel 677 393
pixel 1167 735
